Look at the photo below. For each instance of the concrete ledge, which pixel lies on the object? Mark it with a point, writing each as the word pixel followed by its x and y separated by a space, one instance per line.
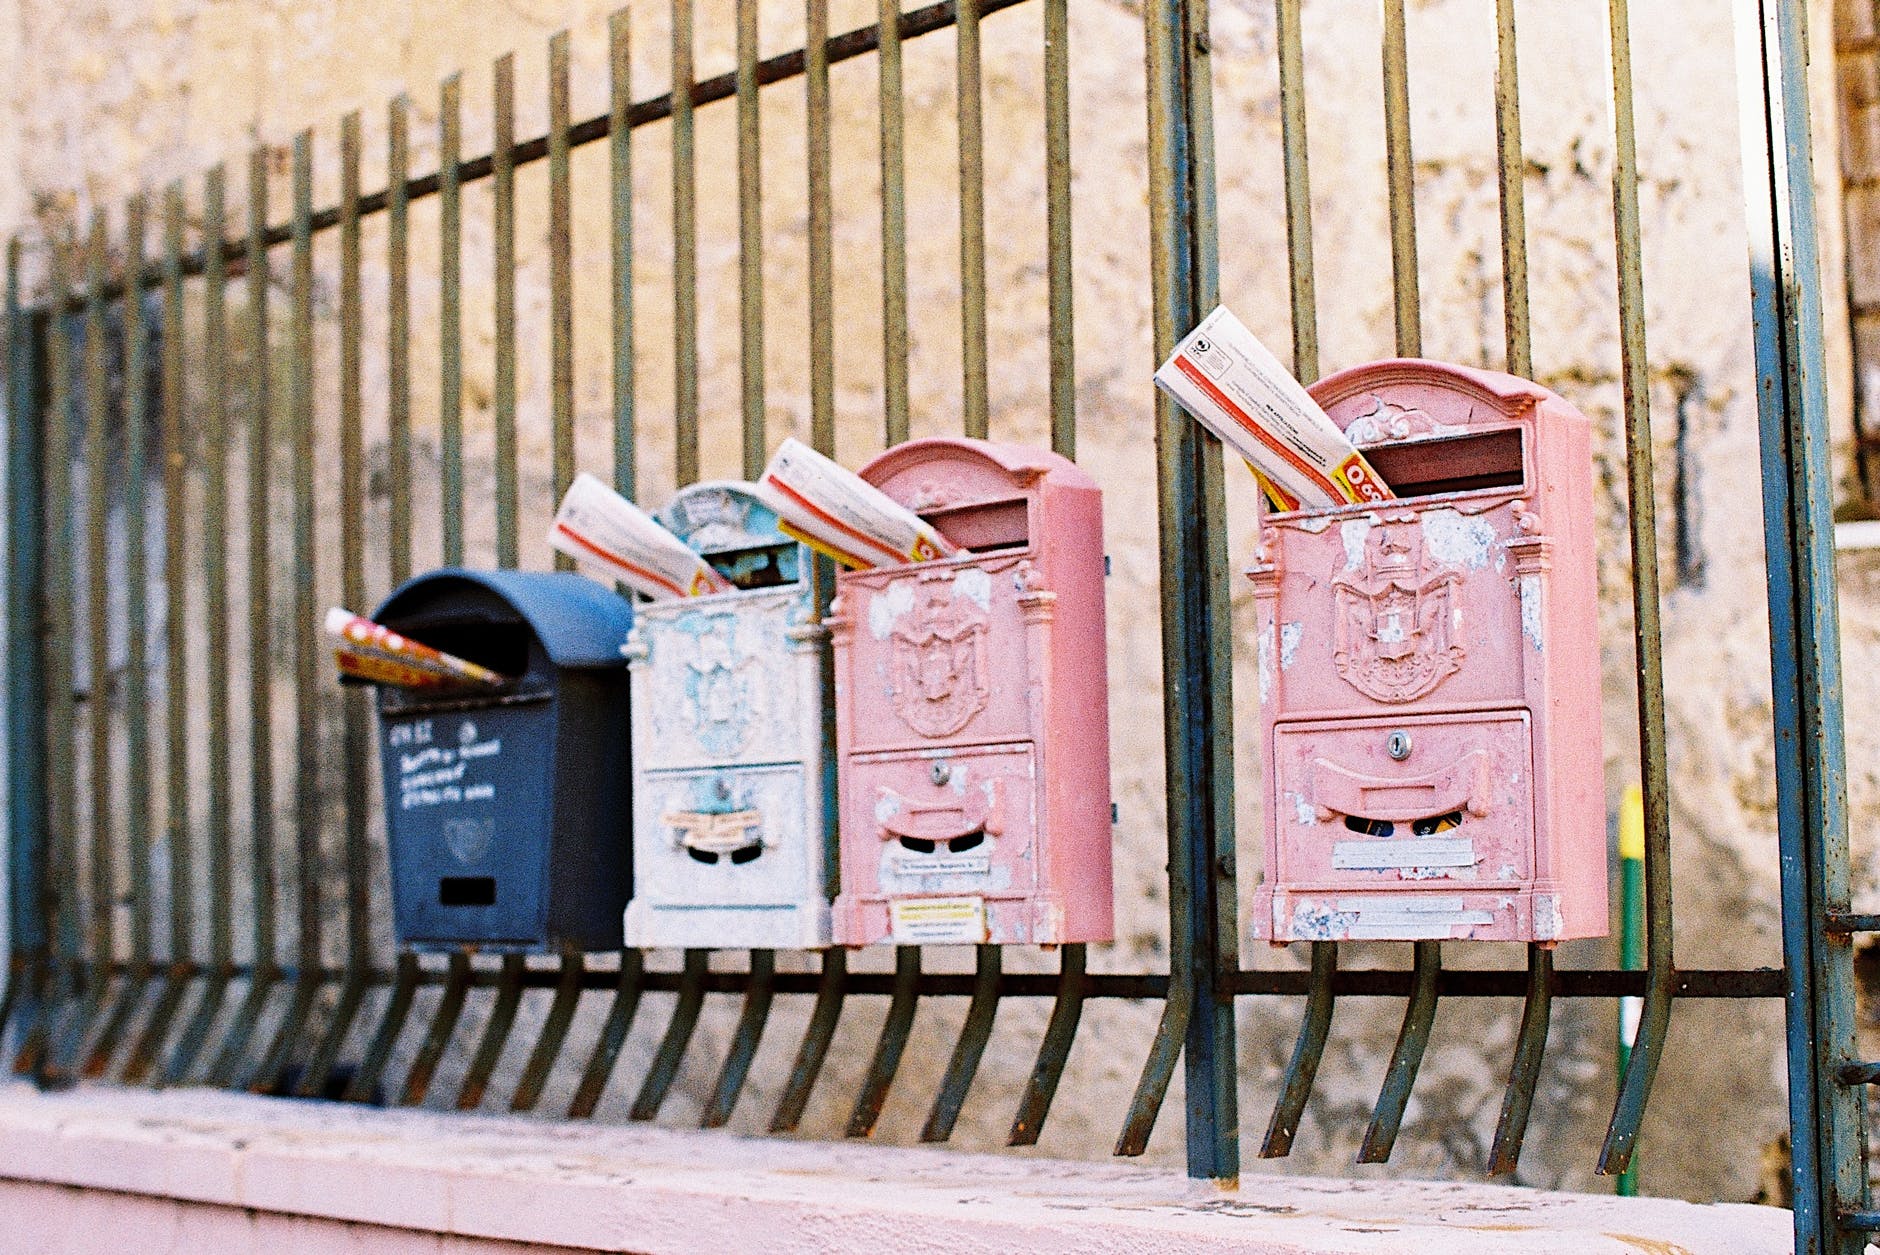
pixel 194 1170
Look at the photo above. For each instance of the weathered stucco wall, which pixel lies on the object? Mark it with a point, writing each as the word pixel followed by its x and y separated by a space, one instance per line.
pixel 108 99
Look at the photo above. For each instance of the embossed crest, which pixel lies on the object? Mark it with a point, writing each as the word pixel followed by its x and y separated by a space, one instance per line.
pixel 468 840
pixel 940 679
pixel 720 688
pixel 1395 618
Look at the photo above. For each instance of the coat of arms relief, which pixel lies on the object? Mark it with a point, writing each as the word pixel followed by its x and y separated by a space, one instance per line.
pixel 940 678
pixel 1395 630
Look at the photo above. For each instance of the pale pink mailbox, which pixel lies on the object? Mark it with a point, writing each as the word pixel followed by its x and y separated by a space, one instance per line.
pixel 972 721
pixel 1429 673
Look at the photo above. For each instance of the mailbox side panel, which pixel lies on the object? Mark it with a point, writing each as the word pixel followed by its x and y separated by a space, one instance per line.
pixel 1570 775
pixel 590 863
pixel 1075 737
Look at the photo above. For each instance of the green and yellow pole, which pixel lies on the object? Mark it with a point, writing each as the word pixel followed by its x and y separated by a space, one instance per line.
pixel 1631 934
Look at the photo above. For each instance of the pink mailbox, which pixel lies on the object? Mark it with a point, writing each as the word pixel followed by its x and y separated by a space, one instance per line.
pixel 972 708
pixel 1429 673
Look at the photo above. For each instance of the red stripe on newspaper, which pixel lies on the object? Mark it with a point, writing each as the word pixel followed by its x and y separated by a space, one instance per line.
pixel 607 555
pixel 1258 432
pixel 836 523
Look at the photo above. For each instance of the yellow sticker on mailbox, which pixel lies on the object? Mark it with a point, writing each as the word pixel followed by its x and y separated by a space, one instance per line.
pixel 938 921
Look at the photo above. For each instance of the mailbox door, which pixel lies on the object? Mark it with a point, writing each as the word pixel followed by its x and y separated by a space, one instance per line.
pixel 1404 802
pixel 469 813
pixel 721 680
pixel 942 823
pixel 725 836
pixel 937 654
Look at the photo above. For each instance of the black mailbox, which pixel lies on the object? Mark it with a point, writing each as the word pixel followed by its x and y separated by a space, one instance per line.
pixel 508 812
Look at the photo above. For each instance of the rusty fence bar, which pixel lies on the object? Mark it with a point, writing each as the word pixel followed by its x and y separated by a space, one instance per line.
pixel 77 990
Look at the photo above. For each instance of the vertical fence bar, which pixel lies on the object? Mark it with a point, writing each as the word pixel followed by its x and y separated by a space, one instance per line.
pixel 1054 1051
pixel 1197 667
pixel 1655 1018
pixel 398 337
pixel 1511 166
pixel 744 1041
pixel 176 630
pixel 684 252
pixel 214 540
pixel 903 1003
pixel 1308 1051
pixel 450 314
pixel 1827 1118
pixel 665 1065
pixel 750 242
pixel 59 858
pixel 355 734
pixel 503 174
pixel 264 971
pixel 972 141
pixel 975 1032
pixel 894 335
pixel 28 712
pixel 364 1083
pixel 1298 179
pixel 1401 173
pixel 613 1035
pixel 101 910
pixel 554 1032
pixel 307 729
pixel 1412 1038
pixel 560 272
pixel 437 1036
pixel 1057 223
pixel 620 237
pixel 495 1033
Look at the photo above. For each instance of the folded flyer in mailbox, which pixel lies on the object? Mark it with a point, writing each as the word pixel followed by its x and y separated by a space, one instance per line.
pixel 842 516
pixel 373 652
pixel 598 526
pixel 1232 385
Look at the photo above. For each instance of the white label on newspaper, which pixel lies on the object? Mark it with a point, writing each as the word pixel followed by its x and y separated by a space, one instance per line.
pixel 1232 385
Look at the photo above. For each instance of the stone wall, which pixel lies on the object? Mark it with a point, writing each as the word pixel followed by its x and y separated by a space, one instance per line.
pixel 105 100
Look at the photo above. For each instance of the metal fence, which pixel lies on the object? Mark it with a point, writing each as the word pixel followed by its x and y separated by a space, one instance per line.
pixel 163 368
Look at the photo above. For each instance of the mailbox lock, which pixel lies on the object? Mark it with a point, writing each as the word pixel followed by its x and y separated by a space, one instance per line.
pixel 941 773
pixel 1397 745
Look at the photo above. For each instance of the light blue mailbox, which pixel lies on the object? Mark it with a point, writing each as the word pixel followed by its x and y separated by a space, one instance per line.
pixel 731 800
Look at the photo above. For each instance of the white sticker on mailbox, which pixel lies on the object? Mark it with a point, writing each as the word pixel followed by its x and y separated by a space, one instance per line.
pixel 954 865
pixel 938 921
pixel 1423 852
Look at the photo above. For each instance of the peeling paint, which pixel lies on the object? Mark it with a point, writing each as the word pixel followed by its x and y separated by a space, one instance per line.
pixel 1354 532
pixel 1465 542
pixel 1531 625
pixel 1303 811
pixel 1267 675
pixel 1548 923
pixel 975 585
pixel 889 605
pixel 1290 635
pixel 1314 523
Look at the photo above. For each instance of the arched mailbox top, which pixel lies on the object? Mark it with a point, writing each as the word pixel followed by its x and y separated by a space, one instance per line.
pixel 579 624
pixel 721 516
pixel 1406 398
pixel 939 471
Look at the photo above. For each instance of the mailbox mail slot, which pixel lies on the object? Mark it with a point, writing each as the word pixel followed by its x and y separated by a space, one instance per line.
pixel 730 830
pixel 507 812
pixel 972 708
pixel 1429 691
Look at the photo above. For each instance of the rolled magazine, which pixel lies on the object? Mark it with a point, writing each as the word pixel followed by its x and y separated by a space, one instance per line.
pixel 842 516
pixel 597 526
pixel 1232 385
pixel 373 652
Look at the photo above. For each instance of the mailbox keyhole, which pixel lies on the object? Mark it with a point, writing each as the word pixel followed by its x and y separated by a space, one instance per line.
pixel 1370 827
pixel 941 773
pixel 1397 745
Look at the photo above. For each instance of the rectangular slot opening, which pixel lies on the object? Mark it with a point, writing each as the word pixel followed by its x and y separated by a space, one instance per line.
pixel 466 891
pixel 1423 468
pixel 986 525
pixel 502 645
pixel 767 566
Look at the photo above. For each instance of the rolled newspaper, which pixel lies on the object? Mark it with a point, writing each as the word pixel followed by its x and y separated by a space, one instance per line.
pixel 598 526
pixel 371 651
pixel 841 515
pixel 1232 385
